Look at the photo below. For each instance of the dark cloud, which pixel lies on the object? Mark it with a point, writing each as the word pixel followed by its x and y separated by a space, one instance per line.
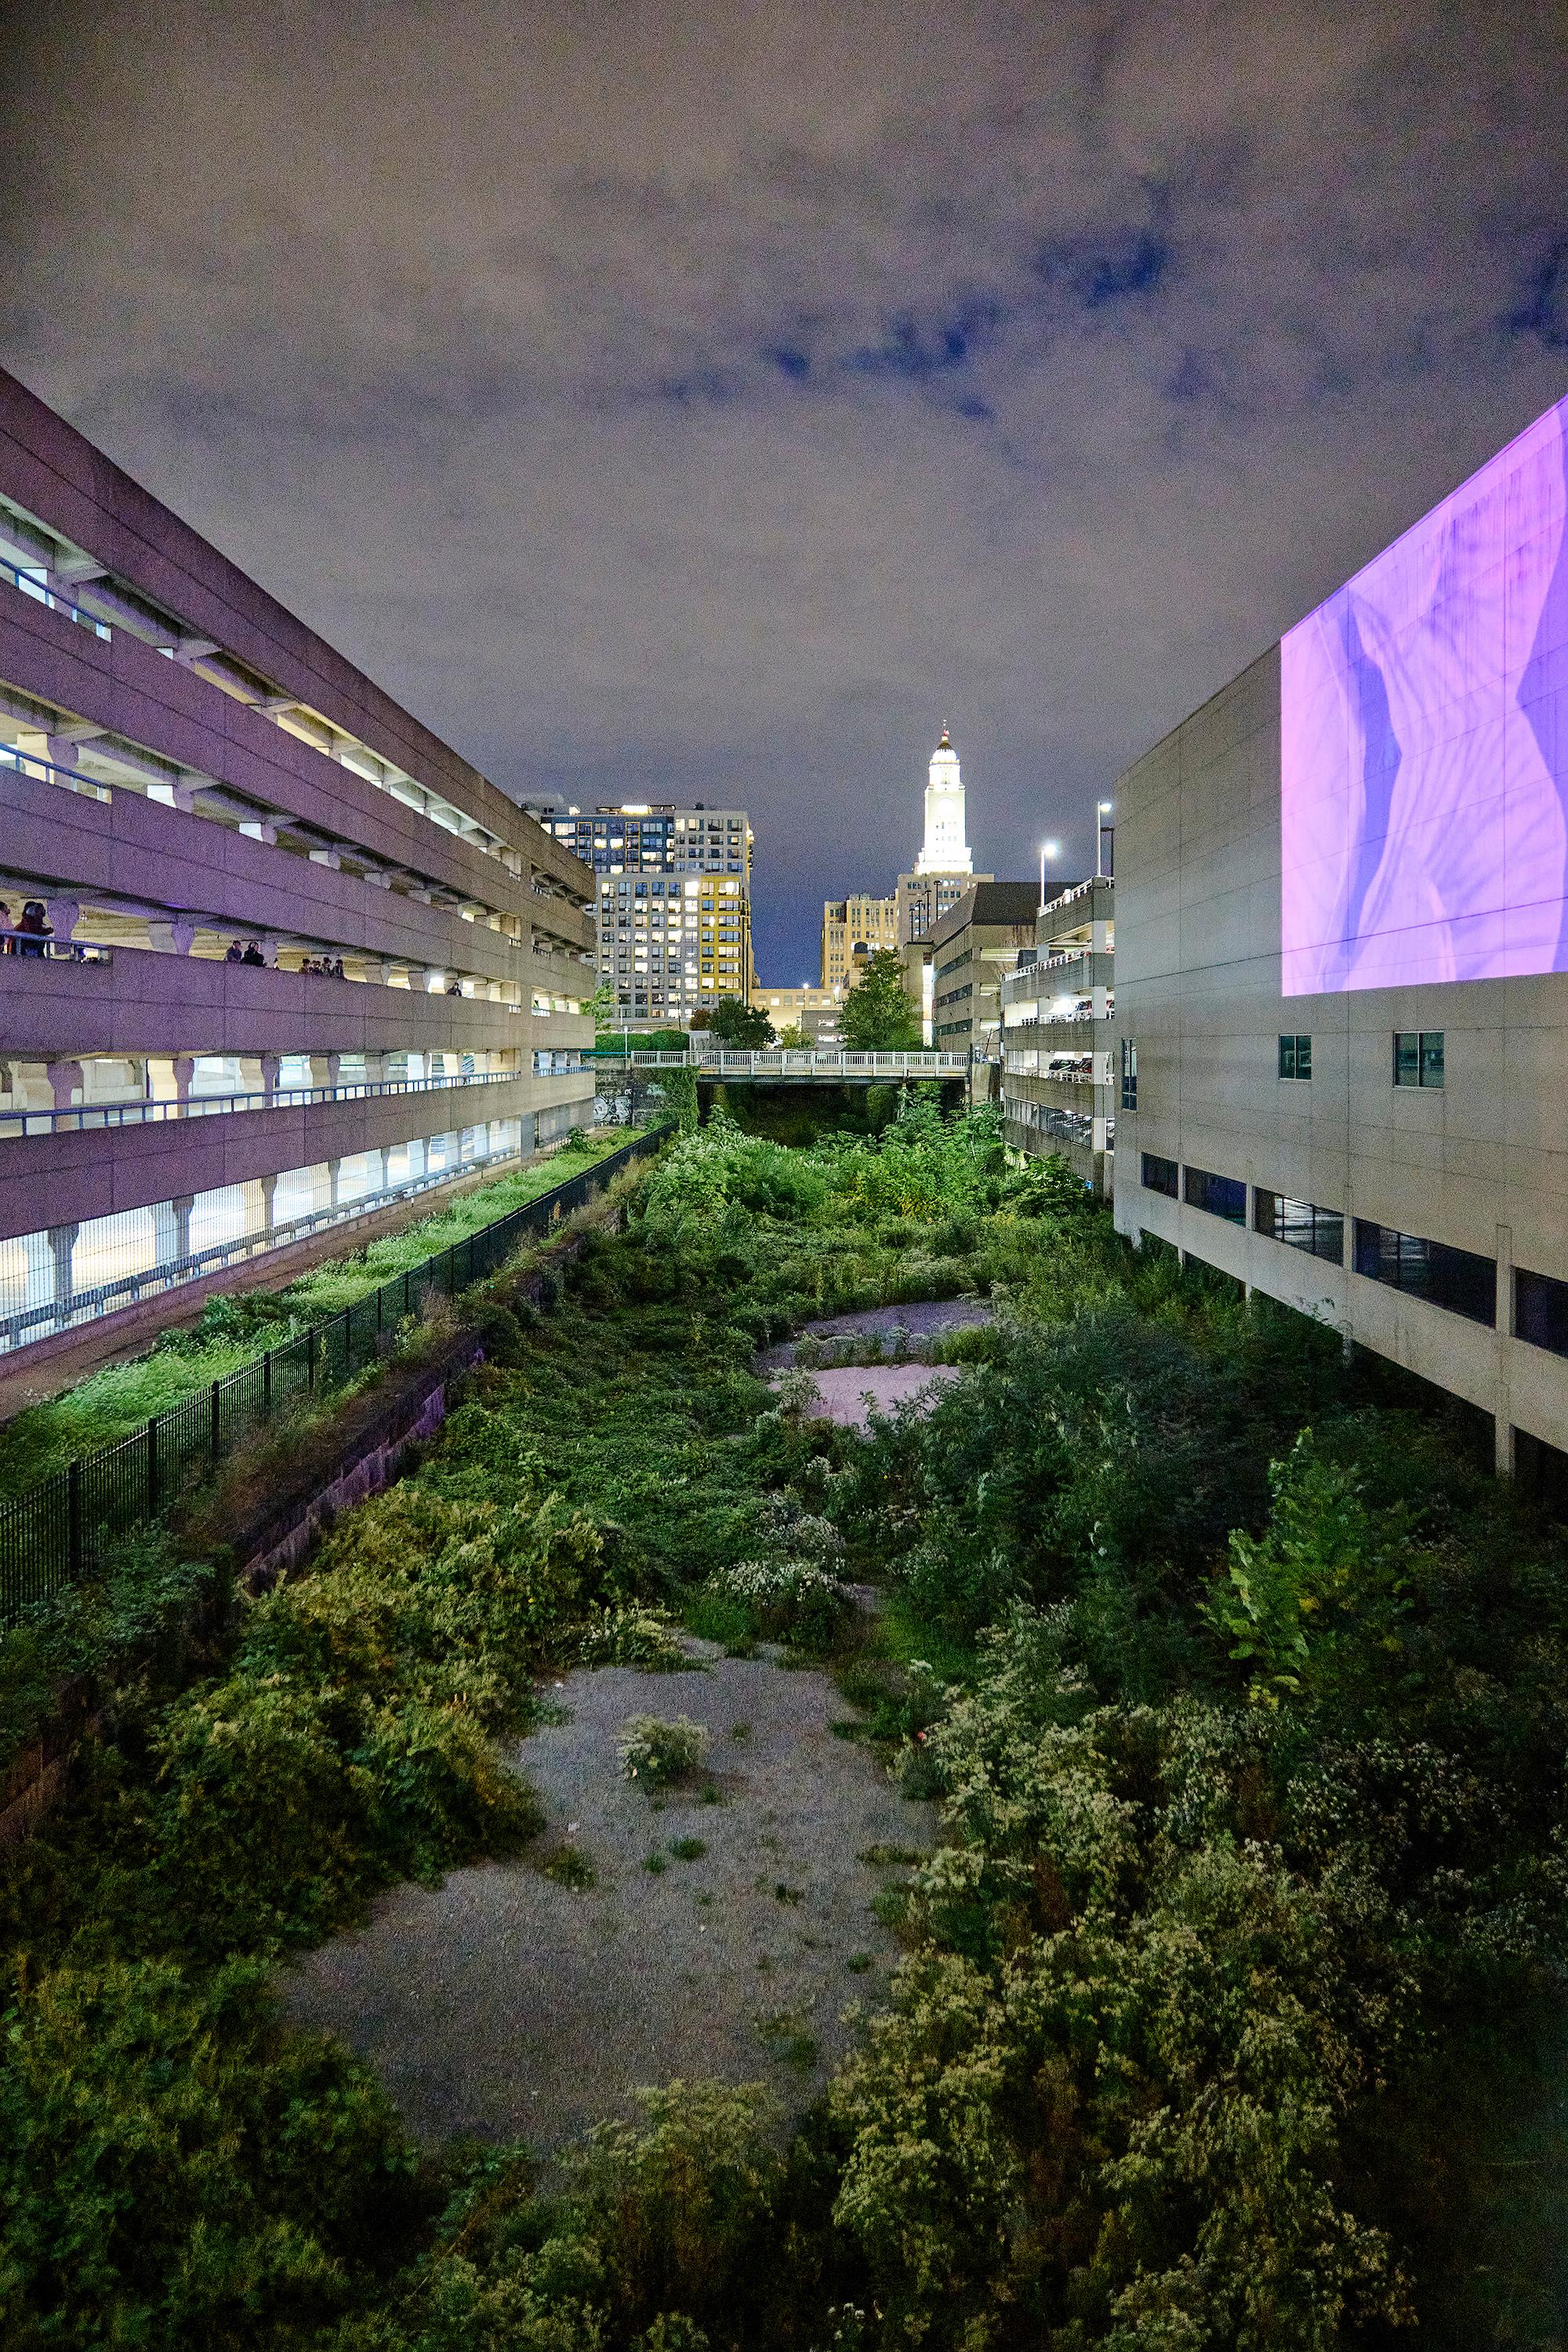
pixel 714 400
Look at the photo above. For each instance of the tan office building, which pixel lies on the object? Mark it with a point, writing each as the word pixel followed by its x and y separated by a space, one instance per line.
pixel 971 951
pixel 853 930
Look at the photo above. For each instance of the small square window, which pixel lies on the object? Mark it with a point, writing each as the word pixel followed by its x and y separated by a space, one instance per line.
pixel 1418 1058
pixel 1296 1056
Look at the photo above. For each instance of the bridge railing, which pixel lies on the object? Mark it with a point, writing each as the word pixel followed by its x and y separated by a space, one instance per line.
pixel 800 1062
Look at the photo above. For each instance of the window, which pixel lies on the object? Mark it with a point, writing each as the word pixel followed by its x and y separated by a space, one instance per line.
pixel 1220 1196
pixel 1418 1058
pixel 1159 1175
pixel 1541 1311
pixel 1129 1074
pixel 1299 1224
pixel 1296 1056
pixel 1455 1278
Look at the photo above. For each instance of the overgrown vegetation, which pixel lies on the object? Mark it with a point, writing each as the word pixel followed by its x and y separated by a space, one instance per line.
pixel 1241 1688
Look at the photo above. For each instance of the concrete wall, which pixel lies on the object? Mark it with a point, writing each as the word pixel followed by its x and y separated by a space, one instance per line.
pixel 1480 1164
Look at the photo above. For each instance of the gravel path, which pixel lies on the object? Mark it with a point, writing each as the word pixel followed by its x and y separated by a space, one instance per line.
pixel 503 2004
pixel 922 1319
pixel 844 1388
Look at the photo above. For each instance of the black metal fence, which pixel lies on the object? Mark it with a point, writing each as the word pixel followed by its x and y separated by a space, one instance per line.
pixel 54 1534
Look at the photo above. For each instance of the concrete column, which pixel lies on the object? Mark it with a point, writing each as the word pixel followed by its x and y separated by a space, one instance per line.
pixel 185 1071
pixel 65 1083
pixel 268 1197
pixel 61 751
pixel 377 1159
pixel 64 915
pixel 171 1228
pixel 375 1069
pixel 1503 1443
pixel 269 952
pixel 327 858
pixel 324 1070
pixel 434 976
pixel 384 973
pixel 175 937
pixel 335 1173
pixel 272 1071
pixel 62 1242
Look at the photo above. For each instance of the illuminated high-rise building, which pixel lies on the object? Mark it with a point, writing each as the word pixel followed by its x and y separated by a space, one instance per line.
pixel 945 850
pixel 943 872
pixel 673 901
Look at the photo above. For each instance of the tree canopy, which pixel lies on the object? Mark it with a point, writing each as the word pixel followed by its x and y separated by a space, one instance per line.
pixel 880 1014
pixel 734 1022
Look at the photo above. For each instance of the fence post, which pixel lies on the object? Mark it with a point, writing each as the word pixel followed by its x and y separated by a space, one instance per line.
pixel 266 1384
pixel 213 1433
pixel 152 1467
pixel 310 1358
pixel 380 1304
pixel 73 1518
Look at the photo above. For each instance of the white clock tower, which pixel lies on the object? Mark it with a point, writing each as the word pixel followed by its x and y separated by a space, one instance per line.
pixel 946 850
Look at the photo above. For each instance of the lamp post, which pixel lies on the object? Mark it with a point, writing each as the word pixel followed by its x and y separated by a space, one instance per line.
pixel 1049 849
pixel 1100 829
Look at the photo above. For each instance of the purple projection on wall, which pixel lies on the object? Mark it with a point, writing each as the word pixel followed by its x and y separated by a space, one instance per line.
pixel 1423 744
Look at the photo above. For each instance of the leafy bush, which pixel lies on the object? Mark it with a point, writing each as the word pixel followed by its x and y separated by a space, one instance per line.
pixel 657 1752
pixel 789 1600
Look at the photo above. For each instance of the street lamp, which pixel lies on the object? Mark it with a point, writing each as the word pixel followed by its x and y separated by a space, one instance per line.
pixel 1100 830
pixel 1051 849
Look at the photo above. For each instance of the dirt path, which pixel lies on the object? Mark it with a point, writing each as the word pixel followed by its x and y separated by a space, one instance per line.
pixel 504 2004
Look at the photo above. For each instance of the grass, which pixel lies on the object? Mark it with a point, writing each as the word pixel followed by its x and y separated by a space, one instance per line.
pixel 237 1326
pixel 688 1849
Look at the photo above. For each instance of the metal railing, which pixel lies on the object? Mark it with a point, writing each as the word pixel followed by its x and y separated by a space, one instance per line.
pixel 788 1061
pixel 42 594
pixel 54 1534
pixel 49 772
pixel 15 1123
pixel 41 946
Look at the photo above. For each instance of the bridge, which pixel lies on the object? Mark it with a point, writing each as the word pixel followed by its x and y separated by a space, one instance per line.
pixel 795 1065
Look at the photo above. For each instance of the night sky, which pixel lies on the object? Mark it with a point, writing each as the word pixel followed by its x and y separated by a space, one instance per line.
pixel 710 401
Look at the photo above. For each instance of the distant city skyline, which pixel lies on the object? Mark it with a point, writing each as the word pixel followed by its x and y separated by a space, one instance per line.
pixel 732 396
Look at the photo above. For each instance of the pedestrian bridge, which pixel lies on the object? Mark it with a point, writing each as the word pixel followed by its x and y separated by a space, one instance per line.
pixel 803 1065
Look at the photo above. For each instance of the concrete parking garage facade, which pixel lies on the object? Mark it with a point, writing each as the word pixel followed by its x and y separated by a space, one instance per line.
pixel 1390 1160
pixel 189 776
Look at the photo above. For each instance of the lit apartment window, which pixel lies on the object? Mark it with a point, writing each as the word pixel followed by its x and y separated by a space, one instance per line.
pixel 1129 1074
pixel 1218 1196
pixel 1296 1056
pixel 1541 1311
pixel 1299 1224
pixel 1161 1175
pixel 1455 1278
pixel 1418 1058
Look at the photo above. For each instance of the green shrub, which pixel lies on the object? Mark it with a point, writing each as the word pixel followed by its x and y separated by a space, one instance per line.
pixel 657 1752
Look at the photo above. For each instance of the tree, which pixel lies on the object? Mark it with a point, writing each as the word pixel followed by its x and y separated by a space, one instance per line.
pixel 603 1006
pixel 879 1015
pixel 743 1026
pixel 792 1037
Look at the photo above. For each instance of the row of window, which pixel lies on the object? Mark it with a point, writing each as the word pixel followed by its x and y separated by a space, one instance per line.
pixel 1418 1057
pixel 1417 1061
pixel 1461 1280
